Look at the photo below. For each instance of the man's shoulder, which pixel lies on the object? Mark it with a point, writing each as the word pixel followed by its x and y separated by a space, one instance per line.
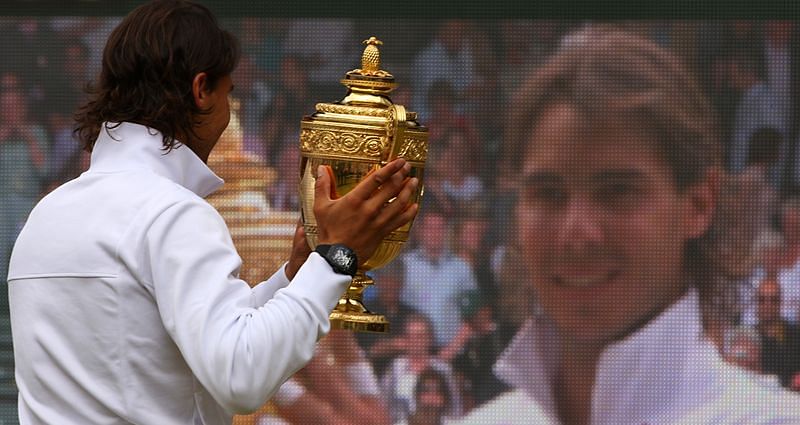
pixel 115 197
pixel 135 185
pixel 746 398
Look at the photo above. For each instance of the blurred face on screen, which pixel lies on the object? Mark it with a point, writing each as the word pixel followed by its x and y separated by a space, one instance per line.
pixel 419 336
pixel 13 108
pixel 433 229
pixel 602 226
pixel 768 302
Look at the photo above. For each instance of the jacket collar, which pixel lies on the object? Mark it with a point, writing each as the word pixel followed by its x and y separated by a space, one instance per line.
pixel 131 146
pixel 655 372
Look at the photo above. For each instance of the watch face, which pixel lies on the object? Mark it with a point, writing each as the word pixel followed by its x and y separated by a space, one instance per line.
pixel 342 257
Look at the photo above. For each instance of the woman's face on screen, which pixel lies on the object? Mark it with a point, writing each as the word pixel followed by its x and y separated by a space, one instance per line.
pixel 602 225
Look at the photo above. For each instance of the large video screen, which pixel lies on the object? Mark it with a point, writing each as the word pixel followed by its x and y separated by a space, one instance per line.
pixel 609 230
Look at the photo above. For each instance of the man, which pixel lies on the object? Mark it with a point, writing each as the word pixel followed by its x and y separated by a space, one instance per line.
pixel 435 276
pixel 620 169
pixel 432 400
pixel 448 57
pixel 780 339
pixel 474 350
pixel 23 162
pixel 125 299
pixel 381 349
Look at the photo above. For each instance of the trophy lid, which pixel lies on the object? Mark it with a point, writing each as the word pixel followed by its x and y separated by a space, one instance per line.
pixel 369 79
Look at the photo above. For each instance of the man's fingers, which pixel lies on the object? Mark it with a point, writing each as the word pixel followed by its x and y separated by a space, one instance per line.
pixel 400 203
pixel 299 253
pixel 387 191
pixel 300 240
pixel 402 219
pixel 365 189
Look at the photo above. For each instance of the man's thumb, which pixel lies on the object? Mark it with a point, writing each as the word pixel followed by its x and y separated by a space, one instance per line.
pixel 322 187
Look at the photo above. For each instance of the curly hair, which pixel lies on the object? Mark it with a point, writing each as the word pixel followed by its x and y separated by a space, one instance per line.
pixel 148 65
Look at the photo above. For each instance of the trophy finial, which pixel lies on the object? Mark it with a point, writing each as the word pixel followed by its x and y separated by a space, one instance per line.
pixel 371 58
pixel 371 62
pixel 369 84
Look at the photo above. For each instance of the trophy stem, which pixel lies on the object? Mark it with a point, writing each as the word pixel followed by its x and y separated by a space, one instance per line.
pixel 350 312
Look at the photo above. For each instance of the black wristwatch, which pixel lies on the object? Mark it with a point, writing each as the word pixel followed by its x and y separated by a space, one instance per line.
pixel 341 258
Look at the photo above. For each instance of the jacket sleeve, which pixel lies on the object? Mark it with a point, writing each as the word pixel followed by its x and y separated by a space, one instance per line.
pixel 265 290
pixel 240 352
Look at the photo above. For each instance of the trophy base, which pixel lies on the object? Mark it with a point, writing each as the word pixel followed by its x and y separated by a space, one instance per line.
pixel 359 321
pixel 350 312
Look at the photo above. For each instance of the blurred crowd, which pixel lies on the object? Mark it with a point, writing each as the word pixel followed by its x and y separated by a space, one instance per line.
pixel 454 298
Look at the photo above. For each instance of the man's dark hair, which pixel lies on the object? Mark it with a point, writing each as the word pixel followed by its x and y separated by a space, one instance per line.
pixel 149 63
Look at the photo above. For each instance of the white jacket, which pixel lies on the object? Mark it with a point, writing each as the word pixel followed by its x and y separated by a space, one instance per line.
pixel 665 373
pixel 126 304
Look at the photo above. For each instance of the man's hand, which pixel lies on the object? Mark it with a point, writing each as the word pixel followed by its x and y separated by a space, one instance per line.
pixel 300 252
pixel 363 217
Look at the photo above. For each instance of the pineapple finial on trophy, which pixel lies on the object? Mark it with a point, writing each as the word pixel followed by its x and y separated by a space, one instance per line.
pixel 371 61
pixel 371 58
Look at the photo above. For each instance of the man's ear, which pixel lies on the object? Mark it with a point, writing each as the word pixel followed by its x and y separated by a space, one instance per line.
pixel 702 201
pixel 200 90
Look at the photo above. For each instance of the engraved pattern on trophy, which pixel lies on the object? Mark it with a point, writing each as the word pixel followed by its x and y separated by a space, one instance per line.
pixel 391 121
pixel 333 142
pixel 414 149
pixel 355 137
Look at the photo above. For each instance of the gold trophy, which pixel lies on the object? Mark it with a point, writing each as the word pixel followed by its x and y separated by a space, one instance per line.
pixel 357 136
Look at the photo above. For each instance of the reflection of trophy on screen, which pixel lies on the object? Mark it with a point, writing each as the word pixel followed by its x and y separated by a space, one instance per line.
pixel 356 136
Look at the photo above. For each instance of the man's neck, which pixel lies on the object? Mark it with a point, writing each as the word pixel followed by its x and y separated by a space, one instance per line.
pixel 574 382
pixel 203 151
